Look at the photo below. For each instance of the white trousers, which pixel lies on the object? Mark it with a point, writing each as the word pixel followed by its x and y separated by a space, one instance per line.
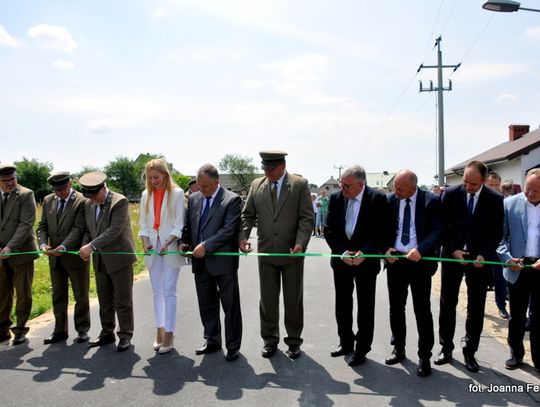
pixel 164 280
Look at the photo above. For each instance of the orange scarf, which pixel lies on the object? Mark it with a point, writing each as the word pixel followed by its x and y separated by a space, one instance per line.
pixel 159 194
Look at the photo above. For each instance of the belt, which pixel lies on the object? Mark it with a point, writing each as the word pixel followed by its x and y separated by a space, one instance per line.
pixel 530 260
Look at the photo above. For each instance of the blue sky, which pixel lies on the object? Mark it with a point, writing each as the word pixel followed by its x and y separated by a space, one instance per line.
pixel 331 83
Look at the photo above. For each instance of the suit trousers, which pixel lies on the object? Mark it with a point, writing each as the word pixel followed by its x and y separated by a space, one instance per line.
pixel 527 286
pixel 400 275
pixel 270 278
pixel 80 283
pixel 164 280
pixel 16 279
pixel 365 279
pixel 477 279
pixel 211 290
pixel 115 296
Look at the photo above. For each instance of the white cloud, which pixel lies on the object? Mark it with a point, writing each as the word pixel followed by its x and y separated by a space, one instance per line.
pixel 52 37
pixel 487 72
pixel 252 83
pixel 532 33
pixel 159 13
pixel 64 65
pixel 506 97
pixel 305 68
pixel 206 55
pixel 7 40
pixel 272 16
pixel 302 77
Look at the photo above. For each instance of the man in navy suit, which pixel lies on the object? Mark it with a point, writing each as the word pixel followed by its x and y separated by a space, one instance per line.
pixel 356 224
pixel 213 221
pixel 416 233
pixel 473 226
pixel 519 247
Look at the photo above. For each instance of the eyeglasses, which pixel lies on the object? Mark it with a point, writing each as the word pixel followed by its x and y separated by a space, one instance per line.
pixel 346 187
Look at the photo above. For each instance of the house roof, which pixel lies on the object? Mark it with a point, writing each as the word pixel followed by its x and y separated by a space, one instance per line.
pixel 503 152
pixel 331 181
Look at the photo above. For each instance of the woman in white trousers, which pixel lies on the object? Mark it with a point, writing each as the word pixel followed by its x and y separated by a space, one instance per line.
pixel 161 221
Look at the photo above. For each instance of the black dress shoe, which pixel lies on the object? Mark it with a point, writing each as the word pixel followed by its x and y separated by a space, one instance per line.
pixel 341 351
pixel 357 358
pixel 293 352
pixel 397 356
pixel 123 345
pixel 442 358
pixel 208 348
pixel 55 337
pixel 102 340
pixel 503 314
pixel 19 339
pixel 5 337
pixel 232 355
pixel 423 368
pixel 513 363
pixel 268 351
pixel 82 337
pixel 471 364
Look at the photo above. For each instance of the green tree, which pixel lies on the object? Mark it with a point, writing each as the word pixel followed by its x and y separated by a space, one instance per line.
pixel 33 174
pixel 125 176
pixel 181 180
pixel 241 168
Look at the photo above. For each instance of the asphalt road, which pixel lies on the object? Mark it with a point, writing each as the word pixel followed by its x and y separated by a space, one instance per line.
pixel 69 374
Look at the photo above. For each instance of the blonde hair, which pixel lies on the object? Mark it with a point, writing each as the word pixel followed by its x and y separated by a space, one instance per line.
pixel 160 166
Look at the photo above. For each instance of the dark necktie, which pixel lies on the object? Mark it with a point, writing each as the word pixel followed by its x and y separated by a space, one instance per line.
pixel 60 209
pixel 470 204
pixel 406 230
pixel 274 195
pixel 204 215
pixel 4 203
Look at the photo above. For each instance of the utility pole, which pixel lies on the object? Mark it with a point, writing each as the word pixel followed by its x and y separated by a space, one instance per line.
pixel 439 88
pixel 339 168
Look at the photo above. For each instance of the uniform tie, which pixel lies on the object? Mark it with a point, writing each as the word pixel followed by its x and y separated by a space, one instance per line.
pixel 5 197
pixel 60 209
pixel 274 195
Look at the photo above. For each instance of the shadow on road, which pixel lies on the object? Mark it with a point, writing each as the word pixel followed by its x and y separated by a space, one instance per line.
pixel 408 390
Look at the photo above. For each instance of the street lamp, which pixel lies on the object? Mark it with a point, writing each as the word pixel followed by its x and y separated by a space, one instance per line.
pixel 505 6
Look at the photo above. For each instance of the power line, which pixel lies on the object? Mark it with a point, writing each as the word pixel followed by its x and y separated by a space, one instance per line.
pixel 476 40
pixel 448 18
pixel 432 31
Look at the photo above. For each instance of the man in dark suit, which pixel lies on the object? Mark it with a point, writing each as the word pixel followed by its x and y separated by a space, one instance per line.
pixel 280 205
pixel 17 215
pixel 416 233
pixel 213 220
pixel 473 226
pixel 108 226
pixel 520 247
pixel 356 224
pixel 61 228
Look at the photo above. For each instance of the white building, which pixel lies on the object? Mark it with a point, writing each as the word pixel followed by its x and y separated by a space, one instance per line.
pixel 511 159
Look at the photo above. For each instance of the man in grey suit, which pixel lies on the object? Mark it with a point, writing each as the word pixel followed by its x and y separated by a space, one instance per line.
pixel 213 219
pixel 17 215
pixel 279 204
pixel 520 246
pixel 61 229
pixel 109 230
